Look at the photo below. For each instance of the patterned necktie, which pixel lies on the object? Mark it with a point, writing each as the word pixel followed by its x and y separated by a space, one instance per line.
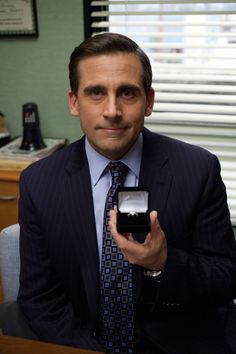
pixel 116 281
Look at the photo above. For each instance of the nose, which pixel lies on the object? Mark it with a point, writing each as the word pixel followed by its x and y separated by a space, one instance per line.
pixel 112 110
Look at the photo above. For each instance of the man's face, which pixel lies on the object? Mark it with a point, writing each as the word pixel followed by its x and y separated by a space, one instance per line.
pixel 111 102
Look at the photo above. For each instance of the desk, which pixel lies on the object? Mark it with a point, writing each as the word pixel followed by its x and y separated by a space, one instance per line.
pixel 9 194
pixel 15 345
pixel 12 163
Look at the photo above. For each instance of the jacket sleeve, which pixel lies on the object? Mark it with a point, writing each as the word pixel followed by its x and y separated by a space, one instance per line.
pixel 201 265
pixel 42 296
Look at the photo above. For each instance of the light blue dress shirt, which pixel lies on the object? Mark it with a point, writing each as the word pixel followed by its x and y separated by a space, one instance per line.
pixel 101 179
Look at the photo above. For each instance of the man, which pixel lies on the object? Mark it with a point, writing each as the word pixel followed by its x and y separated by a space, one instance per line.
pixel 183 271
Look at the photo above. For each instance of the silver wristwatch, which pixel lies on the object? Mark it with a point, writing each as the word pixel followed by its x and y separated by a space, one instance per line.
pixel 153 274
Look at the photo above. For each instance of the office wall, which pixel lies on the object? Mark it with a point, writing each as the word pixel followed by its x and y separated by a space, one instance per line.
pixel 35 69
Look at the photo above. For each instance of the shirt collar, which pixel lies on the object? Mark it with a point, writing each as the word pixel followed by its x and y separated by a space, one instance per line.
pixel 98 163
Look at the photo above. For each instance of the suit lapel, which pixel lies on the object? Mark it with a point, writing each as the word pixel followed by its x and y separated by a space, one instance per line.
pixel 155 171
pixel 156 175
pixel 80 214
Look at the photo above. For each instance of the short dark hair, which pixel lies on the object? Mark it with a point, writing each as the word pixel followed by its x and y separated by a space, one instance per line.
pixel 108 43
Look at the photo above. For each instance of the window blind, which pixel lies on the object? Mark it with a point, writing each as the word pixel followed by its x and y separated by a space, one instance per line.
pixel 192 48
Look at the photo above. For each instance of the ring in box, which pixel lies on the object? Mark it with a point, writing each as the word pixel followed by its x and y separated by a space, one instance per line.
pixel 132 209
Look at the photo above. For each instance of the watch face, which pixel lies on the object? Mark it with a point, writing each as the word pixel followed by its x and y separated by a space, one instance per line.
pixel 152 273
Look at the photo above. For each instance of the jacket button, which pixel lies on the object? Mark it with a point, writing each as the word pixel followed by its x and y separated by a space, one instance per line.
pixel 92 333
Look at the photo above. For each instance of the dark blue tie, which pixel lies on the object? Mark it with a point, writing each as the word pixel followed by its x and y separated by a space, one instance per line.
pixel 116 281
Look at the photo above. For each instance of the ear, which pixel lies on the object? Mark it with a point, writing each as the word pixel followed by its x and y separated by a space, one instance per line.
pixel 73 104
pixel 150 102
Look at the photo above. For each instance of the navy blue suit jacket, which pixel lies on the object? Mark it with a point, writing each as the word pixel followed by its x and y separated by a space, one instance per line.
pixel 59 291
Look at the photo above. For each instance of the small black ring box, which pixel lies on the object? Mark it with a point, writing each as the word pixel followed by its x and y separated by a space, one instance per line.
pixel 132 209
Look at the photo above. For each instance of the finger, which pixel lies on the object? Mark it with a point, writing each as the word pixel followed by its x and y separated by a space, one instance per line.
pixel 154 223
pixel 112 222
pixel 113 213
pixel 129 236
pixel 153 219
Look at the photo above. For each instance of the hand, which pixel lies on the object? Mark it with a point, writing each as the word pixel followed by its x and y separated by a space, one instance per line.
pixel 150 254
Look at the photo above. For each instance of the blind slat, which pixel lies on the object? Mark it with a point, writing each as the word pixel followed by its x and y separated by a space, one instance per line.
pixel 191 54
pixel 183 97
pixel 195 76
pixel 193 87
pixel 184 67
pixel 164 23
pixel 155 13
pixel 190 127
pixel 182 35
pixel 197 117
pixel 186 45
pixel 149 2
pixel 188 107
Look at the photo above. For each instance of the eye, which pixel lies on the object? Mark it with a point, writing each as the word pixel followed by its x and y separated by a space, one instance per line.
pixel 95 93
pixel 128 92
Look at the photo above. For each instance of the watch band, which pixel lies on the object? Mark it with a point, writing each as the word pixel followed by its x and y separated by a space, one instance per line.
pixel 153 274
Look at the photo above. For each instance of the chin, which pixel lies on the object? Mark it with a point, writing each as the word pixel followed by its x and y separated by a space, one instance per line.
pixel 116 153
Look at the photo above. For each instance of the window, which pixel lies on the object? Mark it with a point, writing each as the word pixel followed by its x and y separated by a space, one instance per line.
pixel 192 48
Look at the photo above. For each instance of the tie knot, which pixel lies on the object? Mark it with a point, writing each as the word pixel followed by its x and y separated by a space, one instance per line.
pixel 118 172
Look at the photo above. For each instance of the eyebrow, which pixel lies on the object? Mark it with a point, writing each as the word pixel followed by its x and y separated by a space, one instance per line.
pixel 130 86
pixel 90 88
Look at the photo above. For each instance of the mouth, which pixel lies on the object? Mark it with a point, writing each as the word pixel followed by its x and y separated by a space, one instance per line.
pixel 113 130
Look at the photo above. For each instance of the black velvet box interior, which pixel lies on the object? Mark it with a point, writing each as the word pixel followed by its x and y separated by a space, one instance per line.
pixel 132 209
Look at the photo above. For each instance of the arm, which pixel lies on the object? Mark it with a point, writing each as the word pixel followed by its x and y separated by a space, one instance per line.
pixel 203 271
pixel 42 296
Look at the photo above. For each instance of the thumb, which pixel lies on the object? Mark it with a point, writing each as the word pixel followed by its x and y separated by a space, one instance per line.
pixel 154 220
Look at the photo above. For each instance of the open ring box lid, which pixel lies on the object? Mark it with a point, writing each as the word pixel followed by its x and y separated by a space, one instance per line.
pixel 132 209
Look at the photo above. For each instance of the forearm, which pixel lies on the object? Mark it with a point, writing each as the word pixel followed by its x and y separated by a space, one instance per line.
pixel 201 250
pixel 44 294
pixel 54 321
pixel 201 279
pixel 189 281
